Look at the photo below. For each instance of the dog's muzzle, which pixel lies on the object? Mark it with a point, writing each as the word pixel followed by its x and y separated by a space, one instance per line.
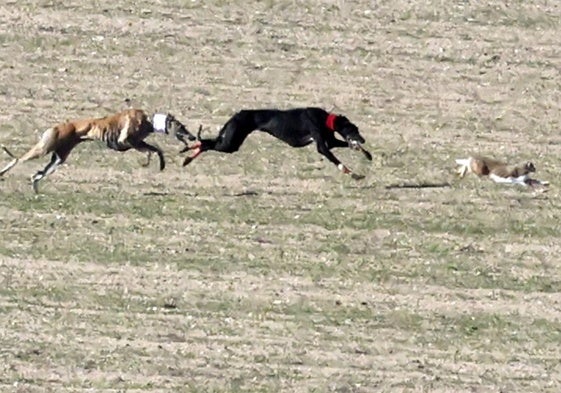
pixel 354 144
pixel 184 132
pixel 357 145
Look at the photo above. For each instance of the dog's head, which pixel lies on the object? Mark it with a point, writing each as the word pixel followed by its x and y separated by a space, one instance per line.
pixel 168 124
pixel 529 167
pixel 351 134
pixel 349 131
pixel 175 127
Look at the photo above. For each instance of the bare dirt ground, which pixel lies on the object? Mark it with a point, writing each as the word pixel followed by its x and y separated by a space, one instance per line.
pixel 268 270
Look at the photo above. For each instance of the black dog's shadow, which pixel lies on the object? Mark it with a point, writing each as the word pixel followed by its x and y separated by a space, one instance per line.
pixel 403 185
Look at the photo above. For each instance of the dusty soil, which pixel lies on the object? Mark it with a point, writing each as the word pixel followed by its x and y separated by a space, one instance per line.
pixel 268 270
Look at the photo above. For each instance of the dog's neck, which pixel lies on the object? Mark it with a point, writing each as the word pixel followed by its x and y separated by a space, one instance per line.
pixel 330 122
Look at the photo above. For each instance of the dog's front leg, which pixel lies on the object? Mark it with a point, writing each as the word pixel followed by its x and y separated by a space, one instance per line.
pixel 145 147
pixel 324 150
pixel 339 143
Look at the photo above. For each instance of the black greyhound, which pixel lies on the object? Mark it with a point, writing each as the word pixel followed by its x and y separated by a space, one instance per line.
pixel 298 127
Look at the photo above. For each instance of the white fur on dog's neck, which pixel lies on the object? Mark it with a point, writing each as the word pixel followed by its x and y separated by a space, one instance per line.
pixel 159 122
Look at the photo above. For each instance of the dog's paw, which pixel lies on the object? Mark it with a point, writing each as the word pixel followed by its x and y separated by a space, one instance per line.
pixel 367 154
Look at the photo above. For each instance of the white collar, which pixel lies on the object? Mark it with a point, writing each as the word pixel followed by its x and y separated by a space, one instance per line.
pixel 159 122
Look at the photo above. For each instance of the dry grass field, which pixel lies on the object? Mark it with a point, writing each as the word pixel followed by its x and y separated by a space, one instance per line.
pixel 268 270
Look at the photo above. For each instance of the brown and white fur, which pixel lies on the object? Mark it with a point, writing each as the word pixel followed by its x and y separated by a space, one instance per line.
pixel 122 131
pixel 498 171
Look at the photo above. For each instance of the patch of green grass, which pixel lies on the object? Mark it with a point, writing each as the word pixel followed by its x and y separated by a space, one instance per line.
pixel 487 330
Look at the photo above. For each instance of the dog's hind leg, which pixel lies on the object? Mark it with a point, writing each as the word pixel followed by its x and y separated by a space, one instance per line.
pixel 56 160
pixel 229 140
pixel 198 152
pixel 58 157
pixel 233 134
pixel 194 146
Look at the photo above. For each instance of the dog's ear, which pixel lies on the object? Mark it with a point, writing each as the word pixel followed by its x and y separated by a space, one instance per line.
pixel 344 119
pixel 341 122
pixel 171 126
pixel 345 123
pixel 348 129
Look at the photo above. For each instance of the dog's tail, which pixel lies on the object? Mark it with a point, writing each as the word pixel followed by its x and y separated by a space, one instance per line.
pixel 8 152
pixel 464 166
pixel 11 163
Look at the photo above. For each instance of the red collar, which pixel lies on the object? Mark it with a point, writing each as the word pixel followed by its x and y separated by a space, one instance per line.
pixel 330 122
